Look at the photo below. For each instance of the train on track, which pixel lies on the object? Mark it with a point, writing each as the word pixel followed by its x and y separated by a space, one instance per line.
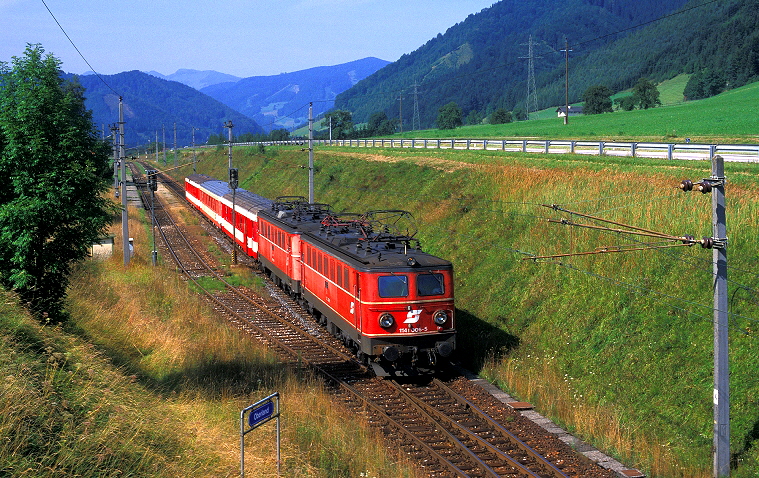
pixel 363 278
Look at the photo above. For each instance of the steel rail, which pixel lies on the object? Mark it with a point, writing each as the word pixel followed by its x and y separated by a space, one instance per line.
pixel 437 418
pixel 354 392
pixel 484 416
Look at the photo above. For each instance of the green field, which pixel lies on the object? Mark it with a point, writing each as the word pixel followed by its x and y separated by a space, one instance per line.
pixel 726 118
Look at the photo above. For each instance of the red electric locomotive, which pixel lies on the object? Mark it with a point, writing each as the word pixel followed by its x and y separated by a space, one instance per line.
pixel 370 285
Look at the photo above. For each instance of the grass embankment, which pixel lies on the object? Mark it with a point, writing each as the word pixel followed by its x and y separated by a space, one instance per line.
pixel 144 381
pixel 616 347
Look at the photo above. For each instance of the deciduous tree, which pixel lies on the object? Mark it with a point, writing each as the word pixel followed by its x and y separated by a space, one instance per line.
pixel 342 123
pixel 500 116
pixel 646 94
pixel 53 172
pixel 380 125
pixel 597 100
pixel 449 116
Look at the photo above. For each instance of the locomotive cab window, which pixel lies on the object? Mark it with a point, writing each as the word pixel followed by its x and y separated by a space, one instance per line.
pixel 392 286
pixel 430 284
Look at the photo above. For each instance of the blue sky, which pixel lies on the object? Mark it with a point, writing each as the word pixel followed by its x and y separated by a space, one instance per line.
pixel 242 38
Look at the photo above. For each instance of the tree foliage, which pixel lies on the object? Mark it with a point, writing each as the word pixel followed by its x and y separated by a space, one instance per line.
pixel 54 172
pixel 645 94
pixel 705 83
pixel 500 116
pixel 474 117
pixel 449 116
pixel 626 103
pixel 341 122
pixel 597 100
pixel 380 125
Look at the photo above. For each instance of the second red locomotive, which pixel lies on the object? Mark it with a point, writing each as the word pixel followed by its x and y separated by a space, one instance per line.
pixel 375 289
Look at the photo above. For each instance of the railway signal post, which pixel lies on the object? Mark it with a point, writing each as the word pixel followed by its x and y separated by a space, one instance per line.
pixel 153 186
pixel 233 186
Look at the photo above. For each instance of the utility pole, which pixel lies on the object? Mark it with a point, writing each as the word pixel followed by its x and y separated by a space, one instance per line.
pixel 400 98
pixel 163 145
pixel 721 432
pixel 311 150
pixel 566 51
pixel 124 212
pixel 233 185
pixel 194 155
pixel 175 144
pixel 156 146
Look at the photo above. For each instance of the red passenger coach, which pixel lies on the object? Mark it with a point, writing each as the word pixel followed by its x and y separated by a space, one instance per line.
pixel 372 287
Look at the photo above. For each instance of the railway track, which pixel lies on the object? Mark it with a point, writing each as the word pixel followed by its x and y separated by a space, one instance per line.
pixel 448 429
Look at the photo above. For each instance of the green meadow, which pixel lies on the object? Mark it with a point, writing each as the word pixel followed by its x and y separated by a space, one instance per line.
pixel 727 118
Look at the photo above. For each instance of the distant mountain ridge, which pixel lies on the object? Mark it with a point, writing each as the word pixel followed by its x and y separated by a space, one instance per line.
pixel 197 79
pixel 279 101
pixel 153 105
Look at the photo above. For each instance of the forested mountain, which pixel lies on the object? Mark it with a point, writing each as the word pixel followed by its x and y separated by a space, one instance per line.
pixel 151 104
pixel 280 101
pixel 482 62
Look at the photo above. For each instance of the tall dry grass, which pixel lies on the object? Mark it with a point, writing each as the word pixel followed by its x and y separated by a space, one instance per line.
pixel 147 320
pixel 537 381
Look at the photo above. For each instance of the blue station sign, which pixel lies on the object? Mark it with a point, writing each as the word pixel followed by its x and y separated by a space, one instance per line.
pixel 260 415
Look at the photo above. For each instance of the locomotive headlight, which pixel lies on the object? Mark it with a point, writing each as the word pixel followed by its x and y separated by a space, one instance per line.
pixel 440 317
pixel 386 320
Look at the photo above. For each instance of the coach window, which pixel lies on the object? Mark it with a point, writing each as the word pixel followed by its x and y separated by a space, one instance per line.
pixel 392 286
pixel 430 284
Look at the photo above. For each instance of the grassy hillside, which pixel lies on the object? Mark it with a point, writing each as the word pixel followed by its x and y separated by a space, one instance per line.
pixel 726 118
pixel 617 347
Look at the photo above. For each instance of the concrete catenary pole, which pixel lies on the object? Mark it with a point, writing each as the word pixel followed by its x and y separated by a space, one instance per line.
pixel 721 372
pixel 114 137
pixel 124 212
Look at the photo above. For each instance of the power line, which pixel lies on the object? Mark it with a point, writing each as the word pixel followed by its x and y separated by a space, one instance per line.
pixel 77 50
